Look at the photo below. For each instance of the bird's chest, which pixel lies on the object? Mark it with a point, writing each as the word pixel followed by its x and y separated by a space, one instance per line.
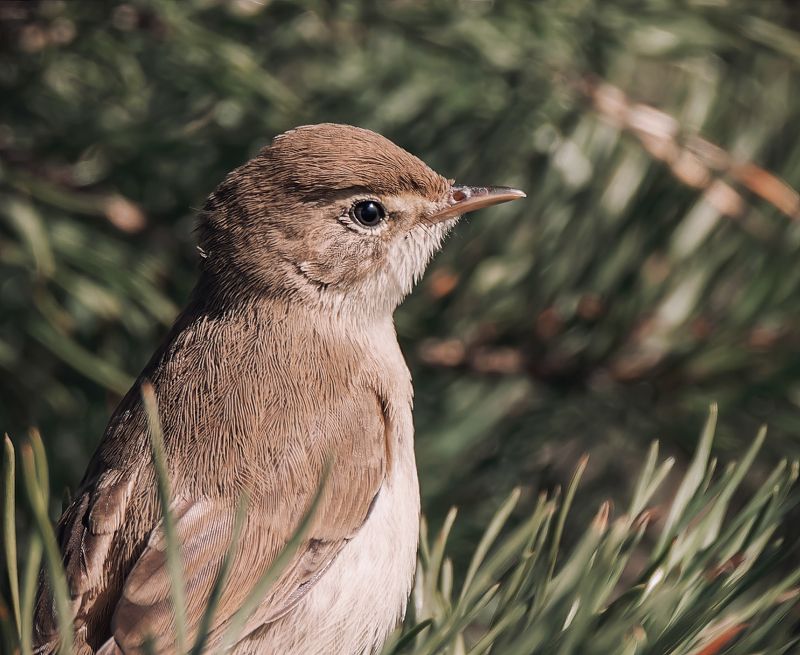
pixel 363 595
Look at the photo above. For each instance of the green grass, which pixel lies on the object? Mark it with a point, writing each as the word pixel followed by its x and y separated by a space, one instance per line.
pixel 698 575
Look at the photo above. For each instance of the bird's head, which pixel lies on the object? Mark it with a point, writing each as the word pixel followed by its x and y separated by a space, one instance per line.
pixel 334 215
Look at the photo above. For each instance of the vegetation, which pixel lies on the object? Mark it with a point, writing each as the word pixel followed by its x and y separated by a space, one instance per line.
pixel 709 583
pixel 651 271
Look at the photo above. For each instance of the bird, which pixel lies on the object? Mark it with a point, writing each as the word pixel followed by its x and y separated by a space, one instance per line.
pixel 281 382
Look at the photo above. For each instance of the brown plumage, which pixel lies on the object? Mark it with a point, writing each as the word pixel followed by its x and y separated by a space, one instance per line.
pixel 284 358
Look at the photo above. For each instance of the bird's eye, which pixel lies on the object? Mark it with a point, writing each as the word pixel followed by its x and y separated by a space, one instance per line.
pixel 368 213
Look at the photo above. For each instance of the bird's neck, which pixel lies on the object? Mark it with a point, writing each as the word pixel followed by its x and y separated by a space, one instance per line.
pixel 292 313
pixel 348 310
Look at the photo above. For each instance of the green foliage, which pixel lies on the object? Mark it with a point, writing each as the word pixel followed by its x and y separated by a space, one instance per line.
pixel 648 273
pixel 651 271
pixel 711 581
pixel 694 589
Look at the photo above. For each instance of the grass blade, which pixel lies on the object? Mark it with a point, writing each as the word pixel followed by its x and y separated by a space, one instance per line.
pixel 174 563
pixel 239 620
pixel 58 581
pixel 30 581
pixel 489 536
pixel 9 529
pixel 691 481
pixel 219 583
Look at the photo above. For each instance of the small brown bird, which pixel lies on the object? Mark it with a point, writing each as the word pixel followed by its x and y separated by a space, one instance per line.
pixel 284 359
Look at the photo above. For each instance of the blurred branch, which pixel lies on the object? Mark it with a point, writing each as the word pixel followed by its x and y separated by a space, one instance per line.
pixel 694 161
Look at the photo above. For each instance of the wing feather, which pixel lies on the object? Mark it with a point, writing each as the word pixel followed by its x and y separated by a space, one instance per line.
pixel 204 527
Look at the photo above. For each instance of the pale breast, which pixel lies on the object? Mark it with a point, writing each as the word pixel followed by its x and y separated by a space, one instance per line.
pixel 362 596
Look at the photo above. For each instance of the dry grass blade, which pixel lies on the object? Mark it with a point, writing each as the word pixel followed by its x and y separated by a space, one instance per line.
pixel 694 161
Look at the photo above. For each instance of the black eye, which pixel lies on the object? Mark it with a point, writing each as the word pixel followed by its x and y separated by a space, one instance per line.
pixel 368 212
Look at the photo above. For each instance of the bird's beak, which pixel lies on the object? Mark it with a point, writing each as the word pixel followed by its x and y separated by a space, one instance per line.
pixel 465 199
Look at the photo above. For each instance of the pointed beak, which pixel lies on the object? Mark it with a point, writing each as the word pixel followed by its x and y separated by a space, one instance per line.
pixel 465 199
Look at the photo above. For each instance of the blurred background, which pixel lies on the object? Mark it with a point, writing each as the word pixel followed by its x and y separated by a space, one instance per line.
pixel 653 269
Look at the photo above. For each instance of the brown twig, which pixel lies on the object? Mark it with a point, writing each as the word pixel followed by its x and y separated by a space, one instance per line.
pixel 695 161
